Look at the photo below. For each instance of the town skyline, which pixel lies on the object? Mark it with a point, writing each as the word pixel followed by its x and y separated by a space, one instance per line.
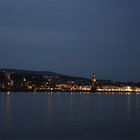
pixel 68 74
pixel 46 81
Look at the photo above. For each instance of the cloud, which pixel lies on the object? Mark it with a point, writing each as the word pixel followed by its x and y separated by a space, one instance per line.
pixel 74 35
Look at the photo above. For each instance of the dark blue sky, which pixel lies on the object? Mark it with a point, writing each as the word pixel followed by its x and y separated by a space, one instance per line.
pixel 74 37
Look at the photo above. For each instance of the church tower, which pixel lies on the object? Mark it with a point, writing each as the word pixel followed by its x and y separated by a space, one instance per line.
pixel 94 81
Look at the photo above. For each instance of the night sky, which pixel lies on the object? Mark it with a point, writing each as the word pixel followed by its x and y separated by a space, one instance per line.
pixel 74 37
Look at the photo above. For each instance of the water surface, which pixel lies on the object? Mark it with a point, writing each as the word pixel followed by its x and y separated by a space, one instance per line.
pixel 69 116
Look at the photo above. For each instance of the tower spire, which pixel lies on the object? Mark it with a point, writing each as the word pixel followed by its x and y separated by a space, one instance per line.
pixel 93 82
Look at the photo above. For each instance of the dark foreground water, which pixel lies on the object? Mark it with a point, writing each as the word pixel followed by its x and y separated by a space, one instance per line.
pixel 69 116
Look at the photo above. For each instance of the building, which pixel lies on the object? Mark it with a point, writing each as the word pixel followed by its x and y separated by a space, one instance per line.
pixel 94 83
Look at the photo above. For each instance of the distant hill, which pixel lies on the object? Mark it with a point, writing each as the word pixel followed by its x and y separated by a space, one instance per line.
pixel 29 72
pixel 41 73
pixel 25 80
pixel 66 77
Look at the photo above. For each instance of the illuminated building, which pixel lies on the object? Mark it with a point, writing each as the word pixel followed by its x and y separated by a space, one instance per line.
pixel 94 83
pixel 10 82
pixel 8 75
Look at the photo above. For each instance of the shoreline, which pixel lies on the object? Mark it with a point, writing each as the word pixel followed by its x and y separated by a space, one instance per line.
pixel 63 91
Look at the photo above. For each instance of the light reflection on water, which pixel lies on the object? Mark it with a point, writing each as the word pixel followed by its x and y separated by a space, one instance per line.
pixel 69 115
